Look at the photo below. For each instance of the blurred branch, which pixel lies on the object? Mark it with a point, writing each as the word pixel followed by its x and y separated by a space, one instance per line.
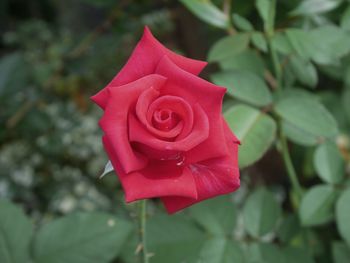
pixel 19 114
pixel 226 8
pixel 84 45
pixel 343 144
pixel 270 79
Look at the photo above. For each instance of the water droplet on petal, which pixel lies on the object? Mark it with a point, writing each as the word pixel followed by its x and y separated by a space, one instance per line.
pixel 181 160
pixel 168 147
pixel 194 169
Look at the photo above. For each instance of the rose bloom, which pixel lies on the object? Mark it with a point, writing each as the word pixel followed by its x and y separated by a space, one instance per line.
pixel 164 131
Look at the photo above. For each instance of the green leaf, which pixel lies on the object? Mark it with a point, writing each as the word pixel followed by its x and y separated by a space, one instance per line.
pixel 289 228
pixel 301 42
pixel 15 234
pixel 263 7
pixel 255 129
pixel 308 46
pixel 228 46
pixel 245 86
pixel 304 71
pixel 261 212
pixel 317 205
pixel 313 7
pixel 340 252
pixel 329 163
pixel 242 23
pixel 345 20
pixel 343 216
pixel 264 253
pixel 299 136
pixel 216 215
pixel 313 44
pixel 248 60
pixel 208 12
pixel 329 48
pixel 266 12
pixel 300 255
pixel 308 115
pixel 13 74
pixel 345 101
pixel 173 239
pixel 81 237
pixel 127 254
pixel 259 41
pixel 221 250
pixel 295 93
pixel 333 101
pixel 281 43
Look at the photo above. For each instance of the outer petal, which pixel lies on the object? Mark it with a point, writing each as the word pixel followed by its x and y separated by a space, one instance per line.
pixel 156 180
pixel 195 90
pixel 114 122
pixel 144 61
pixel 213 177
pixel 230 136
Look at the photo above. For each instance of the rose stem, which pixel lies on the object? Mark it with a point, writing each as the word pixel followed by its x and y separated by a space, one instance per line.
pixel 269 32
pixel 290 168
pixel 226 9
pixel 143 208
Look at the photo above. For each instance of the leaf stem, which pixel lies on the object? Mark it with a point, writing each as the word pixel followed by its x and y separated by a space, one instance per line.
pixel 226 9
pixel 270 23
pixel 143 237
pixel 276 65
pixel 290 168
pixel 269 32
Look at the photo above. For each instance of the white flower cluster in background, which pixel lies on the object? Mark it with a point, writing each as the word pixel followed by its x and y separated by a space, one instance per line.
pixel 64 163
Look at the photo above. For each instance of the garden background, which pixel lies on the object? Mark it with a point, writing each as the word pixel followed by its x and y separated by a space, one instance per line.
pixel 286 65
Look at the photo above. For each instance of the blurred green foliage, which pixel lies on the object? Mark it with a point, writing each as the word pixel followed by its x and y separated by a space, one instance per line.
pixel 287 70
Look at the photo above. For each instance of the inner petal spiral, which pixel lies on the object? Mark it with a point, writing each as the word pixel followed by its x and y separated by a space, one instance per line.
pixel 168 111
pixel 168 117
pixel 165 119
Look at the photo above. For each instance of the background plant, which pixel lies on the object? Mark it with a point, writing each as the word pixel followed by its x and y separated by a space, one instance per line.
pixel 287 69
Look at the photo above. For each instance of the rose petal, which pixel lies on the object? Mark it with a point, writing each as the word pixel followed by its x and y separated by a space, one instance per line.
pixel 142 109
pixel 230 136
pixel 213 177
pixel 196 90
pixel 199 133
pixel 157 180
pixel 164 119
pixel 114 122
pixel 144 61
pixel 177 105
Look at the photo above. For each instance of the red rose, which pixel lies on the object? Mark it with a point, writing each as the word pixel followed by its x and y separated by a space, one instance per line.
pixel 164 131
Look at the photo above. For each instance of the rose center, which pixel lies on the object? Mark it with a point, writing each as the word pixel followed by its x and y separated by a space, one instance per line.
pixel 163 115
pixel 165 119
